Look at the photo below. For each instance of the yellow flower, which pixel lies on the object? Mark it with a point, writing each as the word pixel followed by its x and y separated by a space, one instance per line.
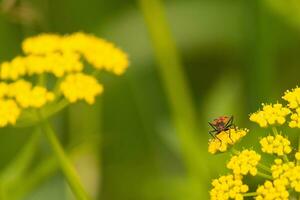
pixel 9 112
pixel 292 97
pixel 244 163
pixel 228 187
pixel 80 87
pixel 270 115
pixel 225 139
pixel 275 145
pixel 98 52
pixel 272 191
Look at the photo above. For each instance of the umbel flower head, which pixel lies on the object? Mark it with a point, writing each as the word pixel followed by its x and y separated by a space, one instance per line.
pixel 24 80
pixel 280 178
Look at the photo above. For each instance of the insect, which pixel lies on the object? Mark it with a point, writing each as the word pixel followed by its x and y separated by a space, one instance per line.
pixel 220 124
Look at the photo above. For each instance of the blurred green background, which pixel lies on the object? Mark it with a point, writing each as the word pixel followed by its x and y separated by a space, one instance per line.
pixel 235 55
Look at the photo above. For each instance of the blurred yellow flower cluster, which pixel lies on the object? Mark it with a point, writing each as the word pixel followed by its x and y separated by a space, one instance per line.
pixel 225 139
pixel 275 145
pixel 25 81
pixel 228 187
pixel 244 163
pixel 80 86
pixel 281 177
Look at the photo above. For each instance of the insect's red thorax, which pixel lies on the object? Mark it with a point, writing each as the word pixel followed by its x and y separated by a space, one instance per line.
pixel 220 121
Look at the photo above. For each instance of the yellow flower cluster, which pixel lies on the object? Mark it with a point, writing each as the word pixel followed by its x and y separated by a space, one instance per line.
pixel 228 187
pixel 225 139
pixel 80 87
pixel 55 63
pixel 98 52
pixel 270 115
pixel 244 163
pixel 292 97
pixel 272 191
pixel 275 145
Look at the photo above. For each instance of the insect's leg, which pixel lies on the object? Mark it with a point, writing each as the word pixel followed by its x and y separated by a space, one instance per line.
pixel 212 126
pixel 211 133
pixel 215 136
pixel 229 135
pixel 229 123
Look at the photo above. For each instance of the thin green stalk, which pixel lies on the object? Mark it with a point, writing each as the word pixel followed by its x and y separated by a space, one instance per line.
pixel 175 84
pixel 261 174
pixel 274 129
pixel 286 158
pixel 68 169
pixel 250 194
pixel 264 167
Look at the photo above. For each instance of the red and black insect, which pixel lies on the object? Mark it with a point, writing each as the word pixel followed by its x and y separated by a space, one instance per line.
pixel 220 124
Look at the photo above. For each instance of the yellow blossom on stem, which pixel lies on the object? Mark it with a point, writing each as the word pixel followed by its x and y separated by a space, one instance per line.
pixel 9 112
pixel 244 163
pixel 272 191
pixel 275 145
pixel 270 114
pixel 228 187
pixel 225 139
pixel 80 87
pixel 292 97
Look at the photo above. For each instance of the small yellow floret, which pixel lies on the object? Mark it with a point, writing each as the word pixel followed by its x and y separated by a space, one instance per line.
pixel 80 87
pixel 244 163
pixel 275 145
pixel 270 115
pixel 225 139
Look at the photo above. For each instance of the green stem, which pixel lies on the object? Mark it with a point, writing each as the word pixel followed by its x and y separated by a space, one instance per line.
pixel 175 84
pixel 274 129
pixel 250 194
pixel 264 167
pixel 65 164
pixel 234 151
pixel 286 158
pixel 264 175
